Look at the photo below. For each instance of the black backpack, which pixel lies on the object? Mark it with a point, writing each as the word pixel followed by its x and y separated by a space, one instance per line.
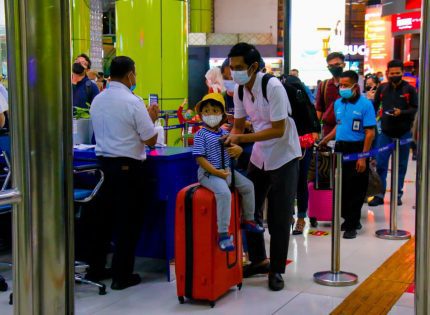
pixel 303 111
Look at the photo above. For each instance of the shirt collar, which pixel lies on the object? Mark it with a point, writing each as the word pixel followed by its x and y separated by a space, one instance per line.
pixel 119 85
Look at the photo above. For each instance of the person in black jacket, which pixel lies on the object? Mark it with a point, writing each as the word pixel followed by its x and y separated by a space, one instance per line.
pixel 398 102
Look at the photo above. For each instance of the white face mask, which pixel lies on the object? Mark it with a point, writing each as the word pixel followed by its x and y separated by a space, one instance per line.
pixel 212 120
pixel 229 85
pixel 240 77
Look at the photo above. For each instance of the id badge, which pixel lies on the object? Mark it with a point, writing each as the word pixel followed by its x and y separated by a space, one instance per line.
pixel 356 125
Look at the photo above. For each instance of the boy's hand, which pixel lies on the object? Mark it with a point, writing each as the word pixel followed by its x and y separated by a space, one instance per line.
pixel 153 112
pixel 222 173
pixel 235 151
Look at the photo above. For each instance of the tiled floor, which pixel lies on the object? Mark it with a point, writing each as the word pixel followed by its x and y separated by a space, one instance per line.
pixel 301 295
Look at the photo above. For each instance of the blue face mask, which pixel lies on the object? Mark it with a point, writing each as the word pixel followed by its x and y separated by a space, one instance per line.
pixel 346 93
pixel 229 85
pixel 133 87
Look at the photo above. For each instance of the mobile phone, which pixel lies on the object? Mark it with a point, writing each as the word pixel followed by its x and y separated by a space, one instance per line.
pixel 390 112
pixel 153 99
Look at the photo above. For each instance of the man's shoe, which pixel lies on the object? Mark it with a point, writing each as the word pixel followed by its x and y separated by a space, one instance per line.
pixel 256 269
pixel 357 227
pixel 350 234
pixel 132 280
pixel 97 276
pixel 376 201
pixel 399 201
pixel 252 226
pixel 276 283
pixel 225 243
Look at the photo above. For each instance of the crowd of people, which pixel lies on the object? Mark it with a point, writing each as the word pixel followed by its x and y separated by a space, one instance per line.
pixel 247 107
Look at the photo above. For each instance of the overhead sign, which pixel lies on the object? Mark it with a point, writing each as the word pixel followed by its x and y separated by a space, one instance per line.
pixel 404 22
pixel 378 40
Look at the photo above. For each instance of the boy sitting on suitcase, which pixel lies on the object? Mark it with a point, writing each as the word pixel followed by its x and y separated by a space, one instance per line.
pixel 212 174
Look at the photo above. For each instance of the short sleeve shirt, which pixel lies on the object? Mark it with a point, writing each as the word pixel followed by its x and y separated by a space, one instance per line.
pixel 274 153
pixel 121 123
pixel 208 145
pixel 353 118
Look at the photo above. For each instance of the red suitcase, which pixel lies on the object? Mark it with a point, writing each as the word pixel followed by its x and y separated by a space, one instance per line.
pixel 203 271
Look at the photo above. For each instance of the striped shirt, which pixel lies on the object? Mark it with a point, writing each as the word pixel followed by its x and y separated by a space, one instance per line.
pixel 207 145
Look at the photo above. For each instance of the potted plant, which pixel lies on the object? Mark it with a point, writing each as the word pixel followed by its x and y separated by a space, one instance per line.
pixel 82 127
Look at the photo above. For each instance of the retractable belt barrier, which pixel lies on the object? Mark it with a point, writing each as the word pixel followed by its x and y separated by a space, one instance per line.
pixel 374 152
pixel 335 277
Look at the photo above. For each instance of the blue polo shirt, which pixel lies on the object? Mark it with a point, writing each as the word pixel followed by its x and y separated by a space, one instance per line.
pixel 352 118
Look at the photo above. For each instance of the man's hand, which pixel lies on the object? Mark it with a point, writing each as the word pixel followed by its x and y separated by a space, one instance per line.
pixel 235 151
pixel 153 112
pixel 315 135
pixel 361 165
pixel 371 95
pixel 397 112
pixel 222 173
pixel 232 139
pixel 324 141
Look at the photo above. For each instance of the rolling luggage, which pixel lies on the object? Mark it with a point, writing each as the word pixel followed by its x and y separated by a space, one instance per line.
pixel 321 189
pixel 203 271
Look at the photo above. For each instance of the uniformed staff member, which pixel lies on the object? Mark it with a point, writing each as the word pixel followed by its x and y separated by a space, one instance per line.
pixel 354 133
pixel 122 126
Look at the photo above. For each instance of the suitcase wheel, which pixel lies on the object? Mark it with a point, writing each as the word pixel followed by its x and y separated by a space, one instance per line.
pixel 102 290
pixel 239 286
pixel 181 299
pixel 314 222
pixel 212 304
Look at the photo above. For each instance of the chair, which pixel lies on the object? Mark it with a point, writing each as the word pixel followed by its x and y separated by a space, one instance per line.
pixel 4 209
pixel 82 196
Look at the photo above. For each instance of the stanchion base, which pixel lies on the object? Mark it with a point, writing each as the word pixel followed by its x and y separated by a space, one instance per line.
pixel 391 235
pixel 335 279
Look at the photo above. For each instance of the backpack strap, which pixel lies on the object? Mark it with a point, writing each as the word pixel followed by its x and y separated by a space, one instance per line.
pixel 240 92
pixel 324 90
pixel 89 91
pixel 264 83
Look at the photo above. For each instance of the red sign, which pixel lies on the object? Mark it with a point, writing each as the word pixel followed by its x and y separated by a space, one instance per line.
pixel 402 22
pixel 413 4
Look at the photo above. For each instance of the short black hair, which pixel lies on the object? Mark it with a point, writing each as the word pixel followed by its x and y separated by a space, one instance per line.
pixel 249 53
pixel 374 78
pixel 85 56
pixel 395 64
pixel 294 70
pixel 120 66
pixel 350 74
pixel 335 55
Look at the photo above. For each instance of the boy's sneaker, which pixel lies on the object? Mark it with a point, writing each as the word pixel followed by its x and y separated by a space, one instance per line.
pixel 252 226
pixel 225 243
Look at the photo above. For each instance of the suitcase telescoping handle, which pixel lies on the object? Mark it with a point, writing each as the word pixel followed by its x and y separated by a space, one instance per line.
pixel 233 182
pixel 331 165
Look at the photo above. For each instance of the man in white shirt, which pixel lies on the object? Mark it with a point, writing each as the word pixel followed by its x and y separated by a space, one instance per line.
pixel 4 106
pixel 122 126
pixel 274 162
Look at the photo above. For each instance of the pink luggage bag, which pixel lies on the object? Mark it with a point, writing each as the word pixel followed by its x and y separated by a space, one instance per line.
pixel 321 199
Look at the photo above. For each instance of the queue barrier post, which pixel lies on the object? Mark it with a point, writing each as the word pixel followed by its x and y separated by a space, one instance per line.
pixel 393 233
pixel 335 277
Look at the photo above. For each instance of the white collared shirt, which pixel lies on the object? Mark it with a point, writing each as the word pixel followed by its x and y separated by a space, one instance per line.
pixel 270 154
pixel 120 122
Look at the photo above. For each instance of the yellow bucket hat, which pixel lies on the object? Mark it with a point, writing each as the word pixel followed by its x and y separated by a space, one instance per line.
pixel 217 97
